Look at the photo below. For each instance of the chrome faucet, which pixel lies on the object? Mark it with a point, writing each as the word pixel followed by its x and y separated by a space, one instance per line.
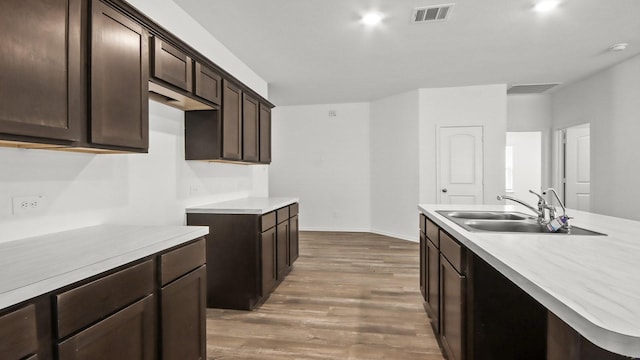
pixel 566 218
pixel 537 211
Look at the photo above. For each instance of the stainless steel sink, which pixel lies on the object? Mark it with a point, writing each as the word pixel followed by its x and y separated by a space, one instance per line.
pixel 486 215
pixel 506 222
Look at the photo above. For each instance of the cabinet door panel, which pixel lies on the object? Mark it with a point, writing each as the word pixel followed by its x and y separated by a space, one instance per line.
pixel 294 249
pixel 268 260
pixel 40 68
pixel 250 112
pixel 119 80
pixel 265 134
pixel 183 317
pixel 126 335
pixel 432 282
pixel 18 333
pixel 208 84
pixel 423 265
pixel 171 65
pixel 452 321
pixel 231 124
pixel 283 249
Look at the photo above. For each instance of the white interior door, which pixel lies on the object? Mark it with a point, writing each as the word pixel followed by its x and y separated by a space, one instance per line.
pixel 578 168
pixel 460 170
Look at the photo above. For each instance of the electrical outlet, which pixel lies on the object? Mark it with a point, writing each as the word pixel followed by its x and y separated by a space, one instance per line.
pixel 194 189
pixel 27 204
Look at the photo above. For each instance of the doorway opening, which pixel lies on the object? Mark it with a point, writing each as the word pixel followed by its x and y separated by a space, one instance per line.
pixel 523 164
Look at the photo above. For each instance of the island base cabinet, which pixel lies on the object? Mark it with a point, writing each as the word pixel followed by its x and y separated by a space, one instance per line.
pixel 432 283
pixel 183 317
pixel 127 335
pixel 452 321
pixel 564 343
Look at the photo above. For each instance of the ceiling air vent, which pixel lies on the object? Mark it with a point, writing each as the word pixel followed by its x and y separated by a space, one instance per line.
pixel 431 13
pixel 530 89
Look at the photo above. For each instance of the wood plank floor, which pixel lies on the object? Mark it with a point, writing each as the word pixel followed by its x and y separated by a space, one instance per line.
pixel 349 296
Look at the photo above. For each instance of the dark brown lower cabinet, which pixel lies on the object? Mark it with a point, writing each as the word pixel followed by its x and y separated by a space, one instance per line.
pixel 476 312
pixel 564 343
pixel 248 255
pixel 268 261
pixel 183 314
pixel 452 311
pixel 128 334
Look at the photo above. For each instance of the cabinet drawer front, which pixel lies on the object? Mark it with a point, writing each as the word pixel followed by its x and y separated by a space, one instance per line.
pixel 180 261
pixel 453 251
pixel 127 334
pixel 293 209
pixel 432 232
pixel 171 65
pixel 268 221
pixel 283 214
pixel 88 303
pixel 423 223
pixel 18 334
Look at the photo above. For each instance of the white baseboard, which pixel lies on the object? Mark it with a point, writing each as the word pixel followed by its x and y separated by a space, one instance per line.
pixel 398 236
pixel 373 231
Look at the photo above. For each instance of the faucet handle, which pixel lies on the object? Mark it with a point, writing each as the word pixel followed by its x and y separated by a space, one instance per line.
pixel 541 200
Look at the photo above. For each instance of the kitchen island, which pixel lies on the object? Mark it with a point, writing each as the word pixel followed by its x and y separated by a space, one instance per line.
pixel 251 247
pixel 587 284
pixel 103 292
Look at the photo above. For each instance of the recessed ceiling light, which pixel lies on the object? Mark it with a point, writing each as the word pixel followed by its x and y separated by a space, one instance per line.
pixel 372 18
pixel 546 5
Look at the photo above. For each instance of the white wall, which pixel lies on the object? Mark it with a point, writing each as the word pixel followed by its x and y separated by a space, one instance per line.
pixel 609 101
pixel 532 112
pixel 325 162
pixel 86 189
pixel 173 18
pixel 394 166
pixel 464 106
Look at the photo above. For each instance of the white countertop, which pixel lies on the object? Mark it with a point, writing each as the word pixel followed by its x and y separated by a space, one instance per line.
pixel 251 205
pixel 35 266
pixel 590 282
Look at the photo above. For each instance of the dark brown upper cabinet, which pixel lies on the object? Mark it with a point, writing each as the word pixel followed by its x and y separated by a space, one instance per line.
pixel 41 70
pixel 265 134
pixel 231 121
pixel 250 129
pixel 119 80
pixel 208 83
pixel 171 65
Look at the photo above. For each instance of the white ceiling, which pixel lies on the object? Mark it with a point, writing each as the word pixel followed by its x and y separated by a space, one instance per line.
pixel 317 51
